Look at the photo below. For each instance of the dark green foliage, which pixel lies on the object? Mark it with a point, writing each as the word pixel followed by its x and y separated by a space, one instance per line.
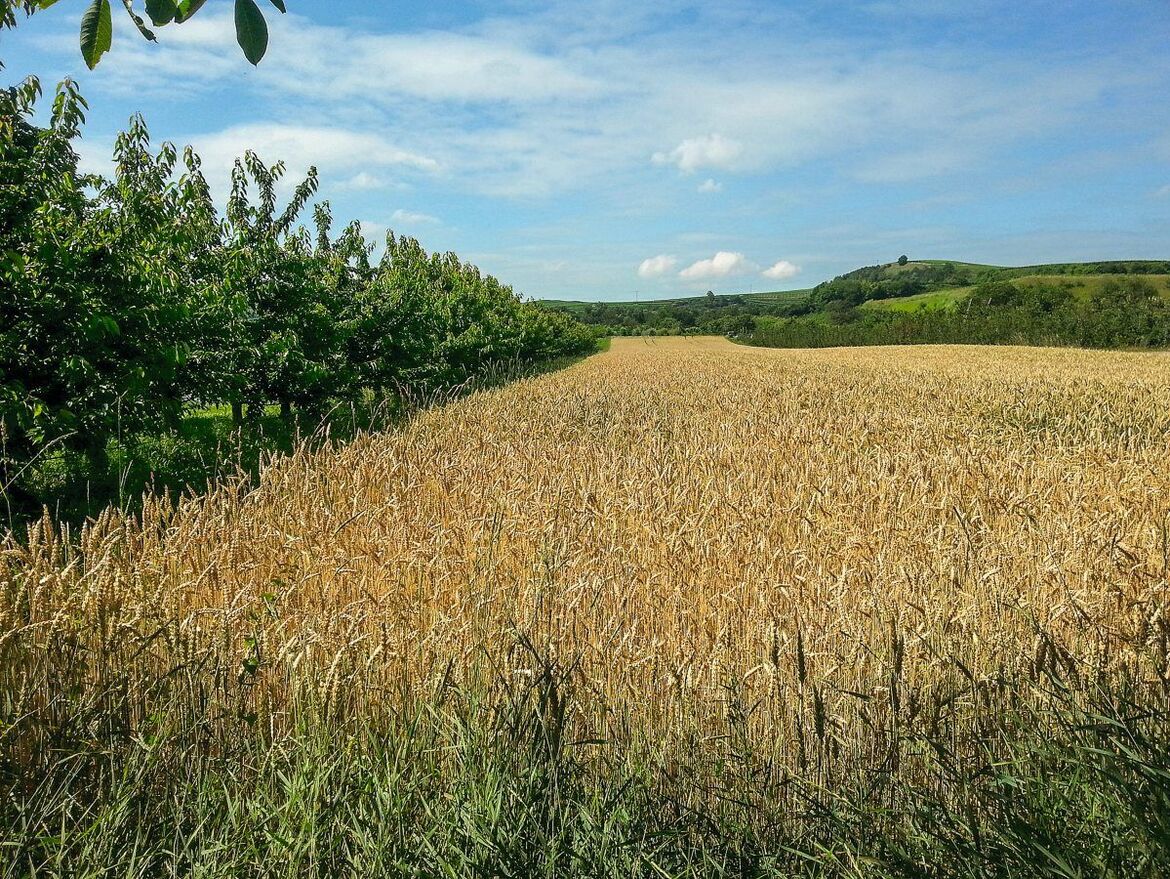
pixel 1114 267
pixel 97 31
pixel 879 282
pixel 128 303
pixel 41 257
pixel 705 315
pixel 1125 313
pixel 251 30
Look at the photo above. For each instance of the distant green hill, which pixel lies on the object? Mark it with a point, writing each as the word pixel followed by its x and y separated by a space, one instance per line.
pixel 1097 304
pixel 1082 286
pixel 912 287
pixel 940 284
pixel 893 271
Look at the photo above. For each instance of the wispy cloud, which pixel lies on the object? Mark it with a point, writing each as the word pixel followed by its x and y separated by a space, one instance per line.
pixel 412 218
pixel 363 181
pixel 520 107
pixel 373 231
pixel 300 146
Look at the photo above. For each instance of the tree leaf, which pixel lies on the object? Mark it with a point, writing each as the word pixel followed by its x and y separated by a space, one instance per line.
pixel 187 8
pixel 97 32
pixel 251 30
pixel 138 21
pixel 162 11
pixel 279 4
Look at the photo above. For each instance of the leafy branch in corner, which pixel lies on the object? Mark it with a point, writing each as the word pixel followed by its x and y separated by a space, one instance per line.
pixel 97 23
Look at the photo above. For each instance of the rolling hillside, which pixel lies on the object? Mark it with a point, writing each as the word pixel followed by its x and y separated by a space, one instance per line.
pixel 903 288
pixel 1082 287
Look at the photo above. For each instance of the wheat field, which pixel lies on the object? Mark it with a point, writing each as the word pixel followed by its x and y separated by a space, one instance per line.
pixel 807 552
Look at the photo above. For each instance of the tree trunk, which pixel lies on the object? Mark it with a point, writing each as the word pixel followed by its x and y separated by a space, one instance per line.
pixel 98 458
pixel 173 413
pixel 285 409
pixel 237 413
pixel 254 413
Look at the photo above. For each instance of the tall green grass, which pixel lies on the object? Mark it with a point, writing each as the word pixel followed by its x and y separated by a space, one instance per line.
pixel 487 783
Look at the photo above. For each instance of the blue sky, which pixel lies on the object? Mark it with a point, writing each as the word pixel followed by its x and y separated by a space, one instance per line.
pixel 594 150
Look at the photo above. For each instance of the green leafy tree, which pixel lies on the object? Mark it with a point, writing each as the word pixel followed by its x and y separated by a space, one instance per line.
pixel 266 292
pixel 44 268
pixel 396 327
pixel 94 288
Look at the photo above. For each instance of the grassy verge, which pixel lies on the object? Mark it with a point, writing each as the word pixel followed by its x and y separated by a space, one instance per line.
pixel 490 783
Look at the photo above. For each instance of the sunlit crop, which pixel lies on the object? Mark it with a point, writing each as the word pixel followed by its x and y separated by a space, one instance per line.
pixel 819 556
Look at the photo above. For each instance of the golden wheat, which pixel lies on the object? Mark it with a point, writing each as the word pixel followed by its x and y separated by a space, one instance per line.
pixel 826 541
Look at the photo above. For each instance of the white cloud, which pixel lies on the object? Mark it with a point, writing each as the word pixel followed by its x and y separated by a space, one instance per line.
pixel 710 185
pixel 412 218
pixel 711 151
pixel 333 150
pixel 184 60
pixel 1163 192
pixel 781 271
pixel 337 63
pixel 373 232
pixel 363 181
pixel 556 101
pixel 657 266
pixel 720 265
pixel 431 65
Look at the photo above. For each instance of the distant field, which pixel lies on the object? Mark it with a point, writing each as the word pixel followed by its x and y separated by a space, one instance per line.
pixel 1082 286
pixel 956 263
pixel 937 299
pixel 780 295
